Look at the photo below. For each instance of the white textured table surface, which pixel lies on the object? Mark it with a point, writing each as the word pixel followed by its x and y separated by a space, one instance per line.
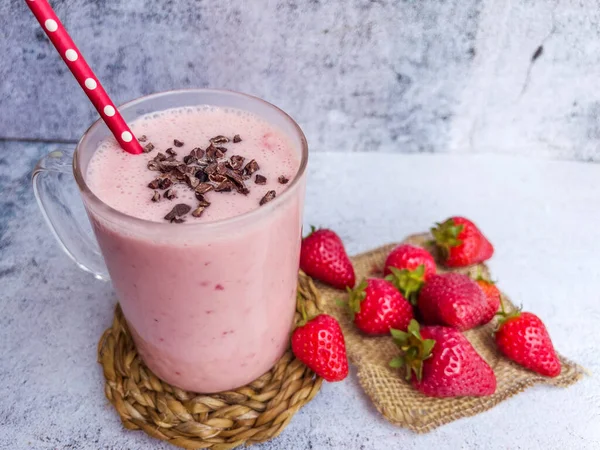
pixel 542 217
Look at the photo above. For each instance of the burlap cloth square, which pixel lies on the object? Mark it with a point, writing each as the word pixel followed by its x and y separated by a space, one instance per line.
pixel 392 395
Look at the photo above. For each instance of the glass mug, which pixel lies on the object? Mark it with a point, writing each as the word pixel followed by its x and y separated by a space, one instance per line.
pixel 210 306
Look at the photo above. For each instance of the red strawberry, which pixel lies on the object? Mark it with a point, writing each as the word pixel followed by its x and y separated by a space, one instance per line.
pixel 461 242
pixel 492 297
pixel 444 362
pixel 408 267
pixel 376 306
pixel 452 299
pixel 486 251
pixel 523 338
pixel 319 344
pixel 322 256
pixel 410 257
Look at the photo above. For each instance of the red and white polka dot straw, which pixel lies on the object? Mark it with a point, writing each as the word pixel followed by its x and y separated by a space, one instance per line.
pixel 84 75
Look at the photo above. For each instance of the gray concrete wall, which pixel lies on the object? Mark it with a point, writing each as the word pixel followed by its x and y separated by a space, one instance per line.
pixel 358 75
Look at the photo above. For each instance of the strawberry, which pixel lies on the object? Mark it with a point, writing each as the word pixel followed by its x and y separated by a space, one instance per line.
pixel 461 243
pixel 410 257
pixel 523 338
pixel 376 306
pixel 452 299
pixel 408 267
pixel 322 256
pixel 444 362
pixel 319 344
pixel 492 297
pixel 486 251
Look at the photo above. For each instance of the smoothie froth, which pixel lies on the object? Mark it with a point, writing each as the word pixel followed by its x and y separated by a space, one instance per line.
pixel 120 179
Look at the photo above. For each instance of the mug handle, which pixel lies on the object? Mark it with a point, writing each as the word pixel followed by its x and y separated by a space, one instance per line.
pixel 50 180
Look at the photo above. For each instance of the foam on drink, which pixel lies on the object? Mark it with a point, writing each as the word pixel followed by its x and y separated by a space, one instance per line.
pixel 121 180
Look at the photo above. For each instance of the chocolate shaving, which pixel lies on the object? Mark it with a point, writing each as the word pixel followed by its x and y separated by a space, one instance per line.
pixel 221 168
pixel 203 188
pixel 164 183
pixel 217 177
pixel 170 194
pixel 154 165
pixel 189 159
pixel 267 198
pixel 211 168
pixel 236 162
pixel 219 153
pixel 156 197
pixel 142 138
pixel 237 139
pixel 168 165
pixel 201 175
pixel 260 179
pixel 283 179
pixel 224 186
pixel 220 139
pixel 238 180
pixel 199 153
pixel 251 167
pixel 170 152
pixel 154 183
pixel 177 143
pixel 202 201
pixel 177 220
pixel 198 211
pixel 210 152
pixel 148 147
pixel 192 181
pixel 160 157
pixel 181 209
pixel 235 177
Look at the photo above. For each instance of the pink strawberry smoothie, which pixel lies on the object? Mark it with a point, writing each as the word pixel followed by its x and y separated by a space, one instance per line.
pixel 210 301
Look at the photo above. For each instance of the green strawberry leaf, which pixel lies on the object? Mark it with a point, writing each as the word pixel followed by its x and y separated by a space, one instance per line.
pixel 446 235
pixel 413 328
pixel 427 347
pixel 414 350
pixel 356 296
pixel 408 282
pixel 399 335
pixel 312 230
pixel 397 362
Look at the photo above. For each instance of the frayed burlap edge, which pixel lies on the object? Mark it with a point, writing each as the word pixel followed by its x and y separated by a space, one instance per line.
pixel 247 415
pixel 397 401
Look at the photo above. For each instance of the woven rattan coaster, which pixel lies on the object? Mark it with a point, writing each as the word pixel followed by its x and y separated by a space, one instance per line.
pixel 395 398
pixel 253 413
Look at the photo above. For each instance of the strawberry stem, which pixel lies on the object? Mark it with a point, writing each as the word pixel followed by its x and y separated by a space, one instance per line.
pixel 446 235
pixel 504 316
pixel 408 282
pixel 312 230
pixel 414 350
pixel 356 296
pixel 480 276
